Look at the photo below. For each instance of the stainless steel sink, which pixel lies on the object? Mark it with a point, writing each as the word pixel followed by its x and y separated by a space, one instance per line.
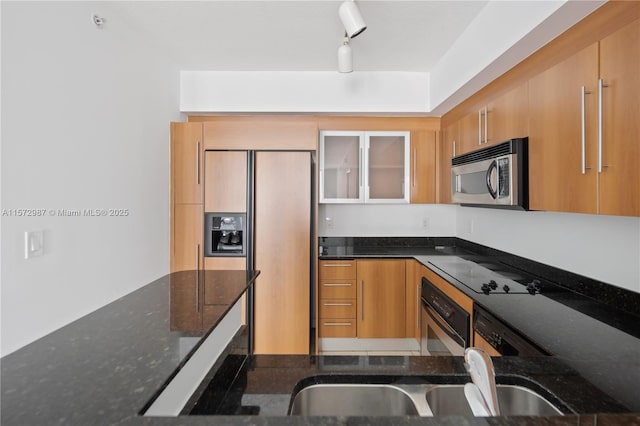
pixel 410 400
pixel 352 400
pixel 449 400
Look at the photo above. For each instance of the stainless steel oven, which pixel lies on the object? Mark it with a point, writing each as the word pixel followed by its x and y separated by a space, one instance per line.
pixel 445 324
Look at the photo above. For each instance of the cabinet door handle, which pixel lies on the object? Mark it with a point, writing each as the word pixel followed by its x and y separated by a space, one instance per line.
pixel 337 304
pixel 601 86
pixel 333 324
pixel 361 301
pixel 337 285
pixel 486 124
pixel 583 129
pixel 454 148
pixel 337 265
pixel 198 164
pixel 480 127
pixel 361 161
pixel 197 277
pixel 418 305
pixel 415 166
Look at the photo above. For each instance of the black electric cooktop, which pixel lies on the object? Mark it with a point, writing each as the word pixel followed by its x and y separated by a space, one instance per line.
pixel 488 276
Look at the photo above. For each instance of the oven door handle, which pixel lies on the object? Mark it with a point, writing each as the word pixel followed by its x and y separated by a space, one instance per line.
pixel 442 324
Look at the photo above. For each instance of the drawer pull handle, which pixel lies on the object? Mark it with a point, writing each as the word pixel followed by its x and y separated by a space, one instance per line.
pixel 337 285
pixel 337 304
pixel 337 265
pixel 336 323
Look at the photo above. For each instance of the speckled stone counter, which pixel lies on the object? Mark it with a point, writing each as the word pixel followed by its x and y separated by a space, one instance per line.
pixel 592 326
pixel 103 368
pixel 107 366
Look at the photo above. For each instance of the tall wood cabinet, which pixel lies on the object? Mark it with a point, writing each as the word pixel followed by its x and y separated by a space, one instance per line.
pixel 584 145
pixel 186 196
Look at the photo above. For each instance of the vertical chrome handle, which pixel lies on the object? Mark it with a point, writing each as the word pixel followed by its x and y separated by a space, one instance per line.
pixel 197 277
pixel 583 128
pixel 601 85
pixel 361 302
pixel 480 127
pixel 198 164
pixel 417 306
pixel 361 163
pixel 415 154
pixel 454 148
pixel 486 124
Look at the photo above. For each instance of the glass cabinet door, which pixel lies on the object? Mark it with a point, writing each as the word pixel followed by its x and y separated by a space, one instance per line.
pixel 387 167
pixel 364 167
pixel 341 170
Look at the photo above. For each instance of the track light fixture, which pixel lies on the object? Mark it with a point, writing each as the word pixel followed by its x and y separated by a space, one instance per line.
pixel 345 56
pixel 351 18
pixel 353 25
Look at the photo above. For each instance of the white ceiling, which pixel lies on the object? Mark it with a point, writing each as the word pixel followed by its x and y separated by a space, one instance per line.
pixel 460 44
pixel 300 35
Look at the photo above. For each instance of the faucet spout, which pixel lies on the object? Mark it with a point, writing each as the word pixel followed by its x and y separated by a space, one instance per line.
pixel 480 368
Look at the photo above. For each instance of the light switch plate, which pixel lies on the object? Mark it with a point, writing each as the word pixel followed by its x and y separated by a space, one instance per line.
pixel 33 244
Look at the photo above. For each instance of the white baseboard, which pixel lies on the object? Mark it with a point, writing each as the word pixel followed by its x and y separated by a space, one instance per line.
pixel 336 344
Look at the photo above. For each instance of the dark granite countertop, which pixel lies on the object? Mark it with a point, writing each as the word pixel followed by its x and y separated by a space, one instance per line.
pixel 104 367
pixel 594 327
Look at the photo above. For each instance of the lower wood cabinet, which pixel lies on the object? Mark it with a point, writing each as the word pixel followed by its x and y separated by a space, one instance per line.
pixel 337 298
pixel 412 303
pixel 381 298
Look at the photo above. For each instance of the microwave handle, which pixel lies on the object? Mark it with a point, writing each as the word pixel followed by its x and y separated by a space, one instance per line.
pixel 492 192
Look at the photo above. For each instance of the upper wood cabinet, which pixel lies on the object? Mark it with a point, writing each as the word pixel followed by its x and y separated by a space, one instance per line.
pixel 561 177
pixel 448 148
pixel 620 142
pixel 381 298
pixel 186 162
pixel 364 167
pixel 423 167
pixel 225 181
pixel 584 145
pixel 501 118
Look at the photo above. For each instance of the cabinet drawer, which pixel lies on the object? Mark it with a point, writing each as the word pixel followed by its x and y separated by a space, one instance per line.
pixel 337 328
pixel 332 269
pixel 337 289
pixel 337 308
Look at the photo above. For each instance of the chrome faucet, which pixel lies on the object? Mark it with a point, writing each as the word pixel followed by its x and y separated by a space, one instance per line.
pixel 480 367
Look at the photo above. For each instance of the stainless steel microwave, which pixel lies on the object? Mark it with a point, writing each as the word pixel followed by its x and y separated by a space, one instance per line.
pixel 495 176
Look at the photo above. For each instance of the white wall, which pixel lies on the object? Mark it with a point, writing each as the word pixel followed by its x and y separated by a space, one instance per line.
pixel 386 220
pixel 85 124
pixel 298 91
pixel 606 248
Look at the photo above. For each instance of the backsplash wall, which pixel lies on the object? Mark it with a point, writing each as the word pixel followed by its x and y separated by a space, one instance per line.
pixel 605 248
pixel 386 220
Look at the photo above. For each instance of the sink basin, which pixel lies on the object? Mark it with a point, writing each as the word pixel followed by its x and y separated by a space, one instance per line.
pixel 449 400
pixel 349 399
pixel 352 400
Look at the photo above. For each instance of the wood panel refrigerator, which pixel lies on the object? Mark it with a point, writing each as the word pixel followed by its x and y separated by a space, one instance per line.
pixel 282 251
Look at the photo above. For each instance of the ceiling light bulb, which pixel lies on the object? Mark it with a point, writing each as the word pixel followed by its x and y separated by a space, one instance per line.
pixel 351 18
pixel 345 57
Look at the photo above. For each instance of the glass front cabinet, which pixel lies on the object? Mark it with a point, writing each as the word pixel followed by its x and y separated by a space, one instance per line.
pixel 364 167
